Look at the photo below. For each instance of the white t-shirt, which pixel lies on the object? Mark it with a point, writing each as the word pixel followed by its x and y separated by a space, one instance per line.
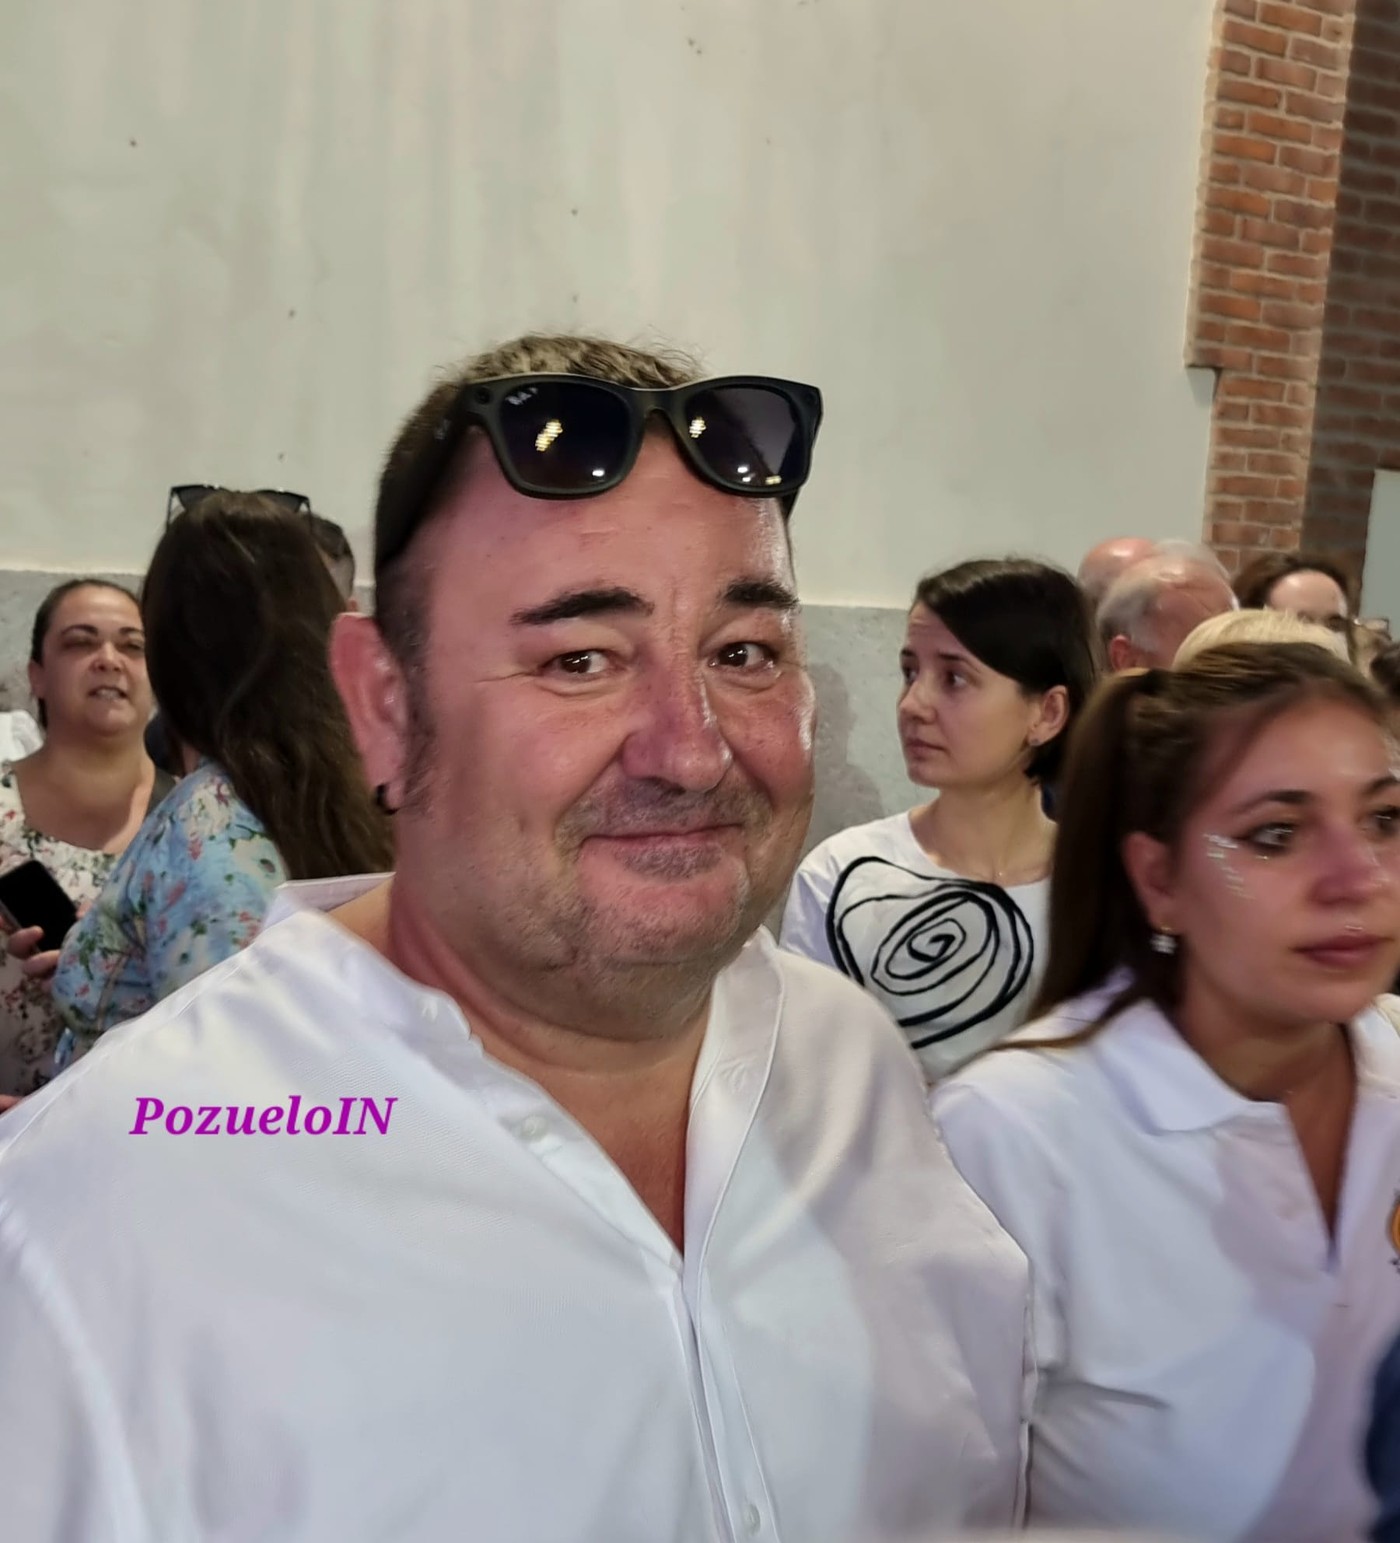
pixel 955 961
pixel 466 1324
pixel 1206 1352
pixel 20 736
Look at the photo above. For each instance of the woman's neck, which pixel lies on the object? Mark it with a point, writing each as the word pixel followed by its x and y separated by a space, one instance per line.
pixel 1259 1058
pixel 89 771
pixel 999 833
pixel 1308 1068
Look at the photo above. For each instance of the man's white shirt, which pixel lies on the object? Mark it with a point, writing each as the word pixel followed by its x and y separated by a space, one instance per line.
pixel 468 1325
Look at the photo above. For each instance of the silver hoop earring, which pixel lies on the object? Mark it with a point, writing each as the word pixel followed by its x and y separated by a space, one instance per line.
pixel 1163 942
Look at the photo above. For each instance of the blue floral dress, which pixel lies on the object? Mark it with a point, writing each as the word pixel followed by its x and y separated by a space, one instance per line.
pixel 189 891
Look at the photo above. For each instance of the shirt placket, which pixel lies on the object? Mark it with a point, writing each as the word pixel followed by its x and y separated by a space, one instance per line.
pixel 722 1116
pixel 724 1105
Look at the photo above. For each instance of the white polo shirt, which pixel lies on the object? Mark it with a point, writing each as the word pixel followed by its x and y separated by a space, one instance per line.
pixel 1205 1351
pixel 468 1325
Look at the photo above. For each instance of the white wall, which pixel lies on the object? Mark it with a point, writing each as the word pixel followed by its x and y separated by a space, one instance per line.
pixel 239 237
pixel 1380 590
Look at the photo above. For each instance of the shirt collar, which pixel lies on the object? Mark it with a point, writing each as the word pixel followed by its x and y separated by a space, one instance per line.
pixel 1165 1084
pixel 1169 1088
pixel 745 1009
pixel 319 895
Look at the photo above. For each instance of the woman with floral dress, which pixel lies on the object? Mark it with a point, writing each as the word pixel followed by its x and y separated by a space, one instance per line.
pixel 238 607
pixel 77 801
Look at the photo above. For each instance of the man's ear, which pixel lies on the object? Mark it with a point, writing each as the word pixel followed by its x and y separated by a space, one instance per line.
pixel 372 686
pixel 1121 654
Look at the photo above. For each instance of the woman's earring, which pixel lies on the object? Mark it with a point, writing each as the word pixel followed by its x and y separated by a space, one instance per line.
pixel 1163 942
pixel 381 800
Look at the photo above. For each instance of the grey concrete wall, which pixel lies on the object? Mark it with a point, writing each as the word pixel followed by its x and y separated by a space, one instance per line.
pixel 854 653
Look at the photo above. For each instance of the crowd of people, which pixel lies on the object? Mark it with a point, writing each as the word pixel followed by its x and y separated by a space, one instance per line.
pixel 1045 1172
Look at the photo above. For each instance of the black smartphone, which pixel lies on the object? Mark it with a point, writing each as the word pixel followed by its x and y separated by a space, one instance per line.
pixel 30 896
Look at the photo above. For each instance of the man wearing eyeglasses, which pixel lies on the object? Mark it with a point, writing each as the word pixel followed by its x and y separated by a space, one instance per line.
pixel 654 1239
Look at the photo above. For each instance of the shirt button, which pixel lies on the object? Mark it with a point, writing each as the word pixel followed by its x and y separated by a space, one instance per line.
pixel 752 1520
pixel 533 1128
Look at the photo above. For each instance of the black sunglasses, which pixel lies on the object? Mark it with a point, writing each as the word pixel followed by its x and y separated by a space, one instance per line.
pixel 184 497
pixel 571 436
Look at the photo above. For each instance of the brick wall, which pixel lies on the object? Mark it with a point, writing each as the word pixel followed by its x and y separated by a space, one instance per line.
pixel 1270 179
pixel 1357 414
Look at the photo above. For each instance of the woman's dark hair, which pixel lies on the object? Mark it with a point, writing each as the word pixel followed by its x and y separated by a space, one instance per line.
pixel 1025 620
pixel 238 607
pixel 1142 757
pixel 1257 580
pixel 43 620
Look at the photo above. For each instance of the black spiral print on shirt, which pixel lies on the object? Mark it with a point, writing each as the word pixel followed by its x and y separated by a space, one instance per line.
pixel 945 954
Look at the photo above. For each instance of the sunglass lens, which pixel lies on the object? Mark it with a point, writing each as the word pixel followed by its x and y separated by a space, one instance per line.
pixel 563 437
pixel 748 437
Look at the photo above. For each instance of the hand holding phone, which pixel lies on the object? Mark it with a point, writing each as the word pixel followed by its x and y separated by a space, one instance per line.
pixel 31 897
pixel 35 961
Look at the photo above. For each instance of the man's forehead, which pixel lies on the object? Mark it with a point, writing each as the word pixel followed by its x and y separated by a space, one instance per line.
pixel 662 531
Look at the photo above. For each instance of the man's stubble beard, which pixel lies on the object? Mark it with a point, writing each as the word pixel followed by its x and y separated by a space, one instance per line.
pixel 580 964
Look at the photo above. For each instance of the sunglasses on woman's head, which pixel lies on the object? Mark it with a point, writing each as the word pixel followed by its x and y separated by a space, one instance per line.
pixel 184 497
pixel 571 436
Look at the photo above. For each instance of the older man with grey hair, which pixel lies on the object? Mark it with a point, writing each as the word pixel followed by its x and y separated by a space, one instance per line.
pixel 1156 603
pixel 1108 561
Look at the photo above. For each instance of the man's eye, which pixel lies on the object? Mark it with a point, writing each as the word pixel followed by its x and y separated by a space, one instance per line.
pixel 583 662
pixel 745 656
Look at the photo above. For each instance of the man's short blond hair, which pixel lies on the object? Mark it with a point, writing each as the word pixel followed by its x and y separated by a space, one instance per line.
pixel 1253 626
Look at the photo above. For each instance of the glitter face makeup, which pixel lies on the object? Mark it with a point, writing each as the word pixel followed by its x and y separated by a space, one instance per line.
pixel 1230 857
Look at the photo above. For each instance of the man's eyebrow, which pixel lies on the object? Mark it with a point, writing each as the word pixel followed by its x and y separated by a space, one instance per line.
pixel 576 603
pixel 764 594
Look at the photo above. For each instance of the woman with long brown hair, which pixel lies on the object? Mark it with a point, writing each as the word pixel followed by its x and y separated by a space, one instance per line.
pixel 1197 1144
pixel 238 608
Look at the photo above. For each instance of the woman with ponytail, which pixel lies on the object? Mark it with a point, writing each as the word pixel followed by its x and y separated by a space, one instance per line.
pixel 1197 1140
pixel 238 607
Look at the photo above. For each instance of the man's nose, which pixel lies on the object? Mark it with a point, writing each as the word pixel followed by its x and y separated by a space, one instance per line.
pixel 676 735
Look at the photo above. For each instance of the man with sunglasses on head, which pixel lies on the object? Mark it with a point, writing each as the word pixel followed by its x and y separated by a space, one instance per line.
pixel 649 1235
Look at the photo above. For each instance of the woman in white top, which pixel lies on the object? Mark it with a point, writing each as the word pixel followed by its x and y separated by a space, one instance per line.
pixel 940 912
pixel 1198 1144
